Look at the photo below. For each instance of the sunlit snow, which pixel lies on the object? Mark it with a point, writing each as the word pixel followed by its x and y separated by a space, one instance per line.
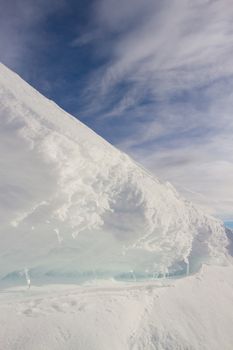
pixel 74 207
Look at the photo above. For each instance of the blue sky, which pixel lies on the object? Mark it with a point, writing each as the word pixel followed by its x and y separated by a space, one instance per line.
pixel 153 77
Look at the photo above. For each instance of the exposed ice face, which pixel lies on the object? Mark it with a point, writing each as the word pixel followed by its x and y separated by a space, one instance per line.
pixel 73 204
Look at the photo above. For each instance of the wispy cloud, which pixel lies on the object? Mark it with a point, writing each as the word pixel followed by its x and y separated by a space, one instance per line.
pixel 172 45
pixel 85 38
pixel 169 73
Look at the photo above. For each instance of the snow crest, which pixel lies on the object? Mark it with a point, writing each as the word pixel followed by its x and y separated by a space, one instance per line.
pixel 73 205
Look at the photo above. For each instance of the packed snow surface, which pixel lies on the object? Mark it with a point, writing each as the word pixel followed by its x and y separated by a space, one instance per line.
pixel 74 207
pixel 192 313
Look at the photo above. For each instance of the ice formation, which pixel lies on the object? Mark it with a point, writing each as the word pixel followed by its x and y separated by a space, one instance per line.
pixel 72 205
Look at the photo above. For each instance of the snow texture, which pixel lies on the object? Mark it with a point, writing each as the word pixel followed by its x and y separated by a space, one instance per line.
pixel 192 313
pixel 74 207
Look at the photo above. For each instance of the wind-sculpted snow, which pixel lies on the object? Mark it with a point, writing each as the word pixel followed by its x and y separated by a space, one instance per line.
pixel 73 205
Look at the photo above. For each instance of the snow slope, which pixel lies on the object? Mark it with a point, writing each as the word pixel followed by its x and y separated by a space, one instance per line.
pixel 192 313
pixel 74 207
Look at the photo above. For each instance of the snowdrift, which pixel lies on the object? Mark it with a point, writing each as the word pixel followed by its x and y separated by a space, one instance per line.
pixel 74 207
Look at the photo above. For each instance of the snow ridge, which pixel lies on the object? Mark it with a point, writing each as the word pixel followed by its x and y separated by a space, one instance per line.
pixel 73 205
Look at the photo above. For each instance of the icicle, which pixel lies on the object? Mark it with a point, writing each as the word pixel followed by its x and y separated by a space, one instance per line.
pixel 133 274
pixel 186 260
pixel 27 277
pixel 165 273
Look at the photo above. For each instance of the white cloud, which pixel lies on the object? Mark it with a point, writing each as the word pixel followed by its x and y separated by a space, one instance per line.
pixel 178 56
pixel 180 45
pixel 85 38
